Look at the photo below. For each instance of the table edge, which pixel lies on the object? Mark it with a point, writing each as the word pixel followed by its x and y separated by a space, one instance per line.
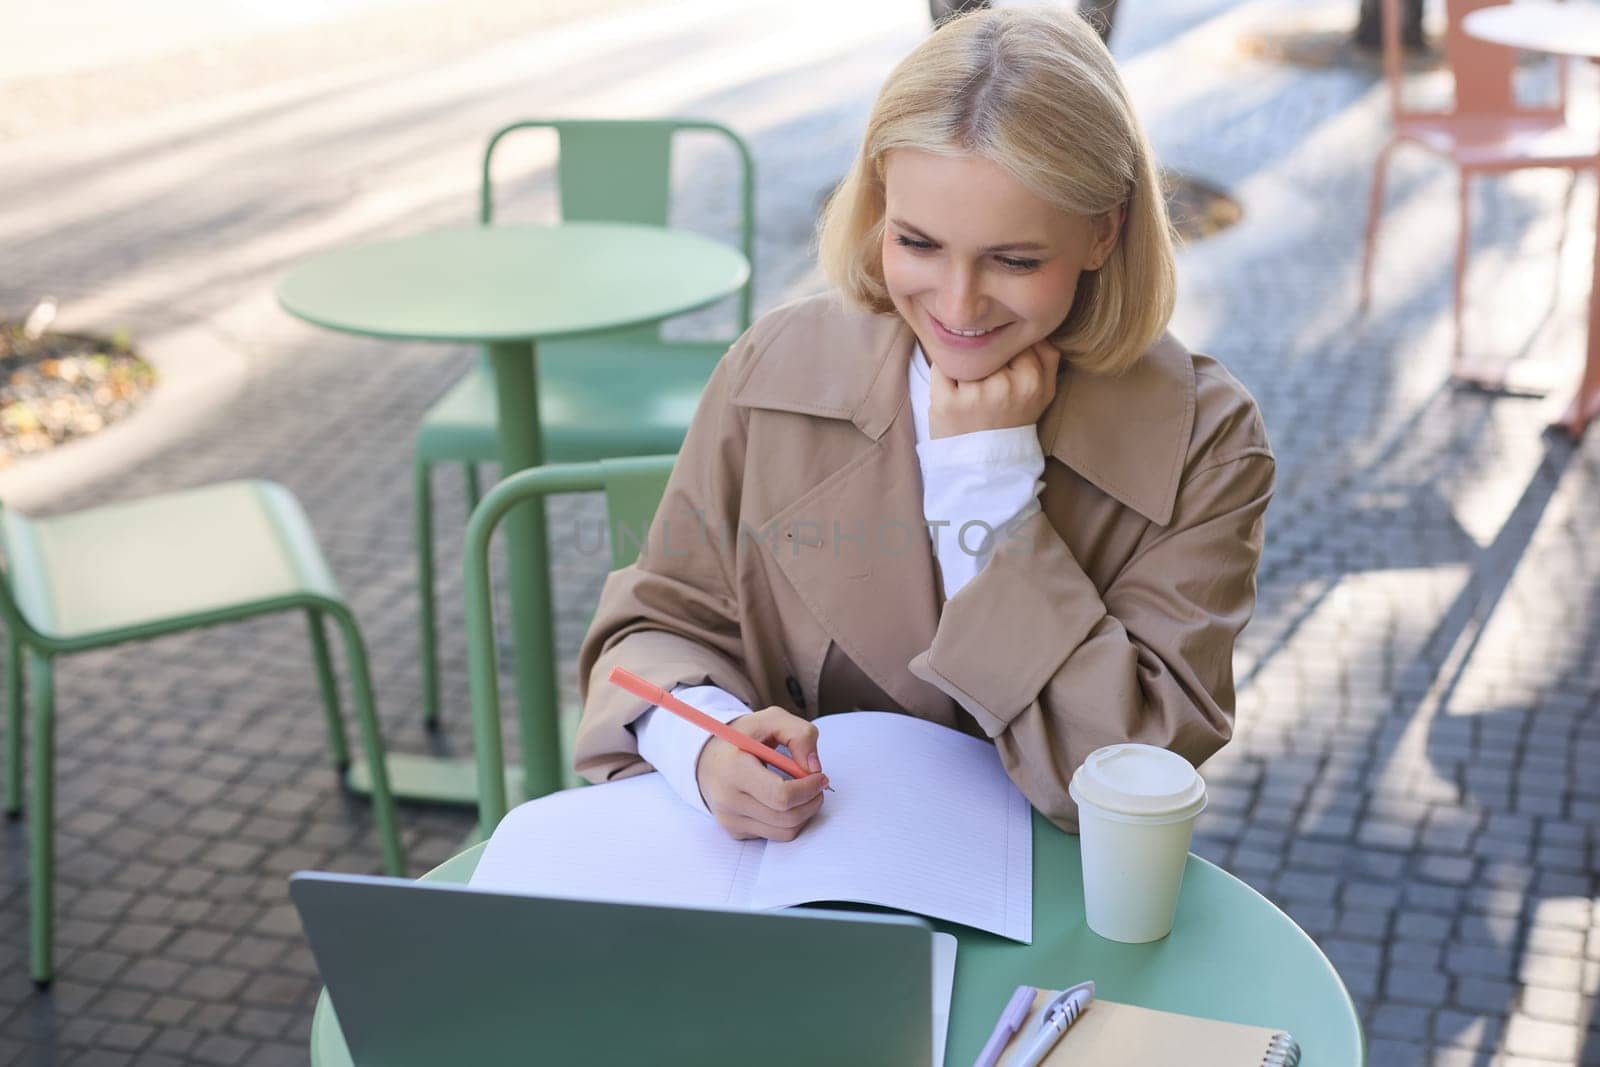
pixel 743 278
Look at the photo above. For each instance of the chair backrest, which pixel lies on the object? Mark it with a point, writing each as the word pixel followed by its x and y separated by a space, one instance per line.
pixel 620 170
pixel 1484 72
pixel 633 488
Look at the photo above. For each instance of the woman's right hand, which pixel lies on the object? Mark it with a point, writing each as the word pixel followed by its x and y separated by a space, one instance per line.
pixel 746 798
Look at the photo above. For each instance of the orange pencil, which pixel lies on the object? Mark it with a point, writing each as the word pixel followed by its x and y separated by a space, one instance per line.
pixel 658 696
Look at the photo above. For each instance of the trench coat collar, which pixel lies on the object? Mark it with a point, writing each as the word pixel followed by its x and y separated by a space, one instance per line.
pixel 1127 435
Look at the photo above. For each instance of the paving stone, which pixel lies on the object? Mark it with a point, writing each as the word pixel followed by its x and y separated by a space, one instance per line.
pixel 1371 863
pixel 1469 1031
pixel 1416 986
pixel 1526 1036
pixel 1418 954
pixel 1564 858
pixel 1387 1052
pixel 1556 941
pixel 253 954
pixel 1370 895
pixel 1451 870
pixel 97 966
pixel 1308 885
pixel 276 1054
pixel 1420 926
pixel 198 944
pixel 166 1010
pixel 101 1057
pixel 1555 972
pixel 155 974
pixel 214 982
pixel 263 1023
pixel 1480 961
pixel 121 1004
pixel 1378 833
pixel 1364 924
pixel 1400 1021
pixel 1434 898
pixel 172 1041
pixel 222 1049
pixel 213 1017
pixel 1318 919
pixel 1553 1005
pixel 127 1036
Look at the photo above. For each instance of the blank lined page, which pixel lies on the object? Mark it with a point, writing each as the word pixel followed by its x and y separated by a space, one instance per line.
pixel 632 841
pixel 923 818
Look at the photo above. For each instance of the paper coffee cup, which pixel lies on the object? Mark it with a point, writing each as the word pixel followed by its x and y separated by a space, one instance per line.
pixel 1136 810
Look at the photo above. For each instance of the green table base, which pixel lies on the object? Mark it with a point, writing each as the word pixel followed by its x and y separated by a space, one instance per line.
pixel 1231 955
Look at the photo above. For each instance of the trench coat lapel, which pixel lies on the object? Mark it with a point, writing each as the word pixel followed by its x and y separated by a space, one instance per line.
pixel 853 543
pixel 1128 434
pixel 860 559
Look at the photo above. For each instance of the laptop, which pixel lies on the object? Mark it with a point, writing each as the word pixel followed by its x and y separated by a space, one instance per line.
pixel 423 974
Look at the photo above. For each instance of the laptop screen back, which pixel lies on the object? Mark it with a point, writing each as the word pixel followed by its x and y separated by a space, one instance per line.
pixel 430 974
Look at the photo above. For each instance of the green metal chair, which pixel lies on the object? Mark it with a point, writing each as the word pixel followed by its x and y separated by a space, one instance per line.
pixel 633 488
pixel 144 568
pixel 624 392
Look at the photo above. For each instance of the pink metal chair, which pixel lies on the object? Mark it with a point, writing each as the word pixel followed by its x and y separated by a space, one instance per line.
pixel 1485 131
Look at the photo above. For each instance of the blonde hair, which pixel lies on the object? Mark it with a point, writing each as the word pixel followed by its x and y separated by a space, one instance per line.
pixel 1034 91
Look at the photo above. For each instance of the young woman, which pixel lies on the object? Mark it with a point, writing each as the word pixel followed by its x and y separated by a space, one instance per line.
pixel 978 483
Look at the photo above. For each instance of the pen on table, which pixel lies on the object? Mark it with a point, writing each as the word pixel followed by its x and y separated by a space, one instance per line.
pixel 1059 1014
pixel 621 676
pixel 1015 1011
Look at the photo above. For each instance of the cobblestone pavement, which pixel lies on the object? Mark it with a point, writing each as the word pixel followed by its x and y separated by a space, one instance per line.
pixel 1417 694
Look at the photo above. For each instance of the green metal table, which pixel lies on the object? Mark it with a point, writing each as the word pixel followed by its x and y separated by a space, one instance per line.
pixel 509 287
pixel 1231 955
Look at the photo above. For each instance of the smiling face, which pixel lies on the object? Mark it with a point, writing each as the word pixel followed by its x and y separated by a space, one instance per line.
pixel 976 264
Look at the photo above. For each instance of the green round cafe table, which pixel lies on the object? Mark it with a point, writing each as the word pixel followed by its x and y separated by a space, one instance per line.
pixel 1231 955
pixel 507 288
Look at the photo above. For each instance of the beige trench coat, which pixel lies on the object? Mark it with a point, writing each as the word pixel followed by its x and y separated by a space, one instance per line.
pixel 790 563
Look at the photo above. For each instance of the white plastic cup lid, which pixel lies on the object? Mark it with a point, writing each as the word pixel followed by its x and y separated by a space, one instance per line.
pixel 1139 780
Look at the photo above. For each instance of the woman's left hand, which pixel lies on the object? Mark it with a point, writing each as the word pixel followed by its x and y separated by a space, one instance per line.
pixel 1014 395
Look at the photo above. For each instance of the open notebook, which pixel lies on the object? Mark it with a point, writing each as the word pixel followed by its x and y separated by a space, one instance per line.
pixel 922 818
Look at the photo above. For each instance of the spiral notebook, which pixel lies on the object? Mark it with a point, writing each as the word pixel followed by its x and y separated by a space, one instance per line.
pixel 1109 1034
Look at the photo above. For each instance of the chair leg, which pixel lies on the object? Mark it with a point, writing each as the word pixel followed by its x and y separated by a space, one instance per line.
pixel 1380 174
pixel 423 489
pixel 1561 239
pixel 394 858
pixel 1463 247
pixel 41 820
pixel 474 488
pixel 330 691
pixel 15 676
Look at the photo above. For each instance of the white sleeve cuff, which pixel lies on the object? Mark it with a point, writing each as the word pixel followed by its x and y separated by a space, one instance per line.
pixel 973 484
pixel 672 746
pixel 1012 445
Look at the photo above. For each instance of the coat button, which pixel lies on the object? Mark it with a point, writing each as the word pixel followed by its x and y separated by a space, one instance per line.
pixel 795 693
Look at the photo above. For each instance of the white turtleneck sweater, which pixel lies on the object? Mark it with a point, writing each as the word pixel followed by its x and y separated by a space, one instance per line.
pixel 971 484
